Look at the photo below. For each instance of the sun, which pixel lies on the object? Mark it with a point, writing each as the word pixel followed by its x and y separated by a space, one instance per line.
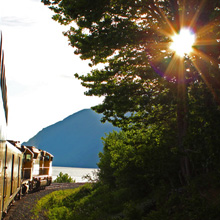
pixel 182 43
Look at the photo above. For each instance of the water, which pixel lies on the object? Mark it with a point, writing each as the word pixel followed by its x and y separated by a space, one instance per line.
pixel 76 173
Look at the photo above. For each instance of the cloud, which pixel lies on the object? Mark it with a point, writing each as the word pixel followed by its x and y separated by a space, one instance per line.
pixel 16 21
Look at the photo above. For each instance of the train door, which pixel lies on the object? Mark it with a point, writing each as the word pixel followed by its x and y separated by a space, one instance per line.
pixel 19 172
pixel 5 179
pixel 41 172
pixel 27 165
pixel 5 174
pixel 12 174
pixel 2 166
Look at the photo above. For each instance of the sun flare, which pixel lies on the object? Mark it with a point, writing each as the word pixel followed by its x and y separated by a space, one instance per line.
pixel 182 42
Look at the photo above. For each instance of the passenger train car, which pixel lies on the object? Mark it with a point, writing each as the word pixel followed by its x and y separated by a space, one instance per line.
pixel 22 168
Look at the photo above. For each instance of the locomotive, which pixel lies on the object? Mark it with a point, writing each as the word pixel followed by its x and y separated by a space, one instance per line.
pixel 22 168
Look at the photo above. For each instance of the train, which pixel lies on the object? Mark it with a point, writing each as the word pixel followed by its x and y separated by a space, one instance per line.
pixel 23 169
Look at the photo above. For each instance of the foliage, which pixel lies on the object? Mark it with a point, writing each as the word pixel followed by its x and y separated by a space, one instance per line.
pixel 97 201
pixel 198 201
pixel 86 202
pixel 50 201
pixel 139 160
pixel 167 107
pixel 64 178
pixel 128 37
pixel 142 81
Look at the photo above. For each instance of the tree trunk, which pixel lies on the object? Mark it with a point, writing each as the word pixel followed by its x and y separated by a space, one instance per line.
pixel 182 121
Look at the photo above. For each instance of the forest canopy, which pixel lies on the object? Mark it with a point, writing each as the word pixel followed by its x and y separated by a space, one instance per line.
pixel 133 39
pixel 144 82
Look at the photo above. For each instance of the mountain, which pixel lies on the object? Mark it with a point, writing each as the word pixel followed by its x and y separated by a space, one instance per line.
pixel 75 141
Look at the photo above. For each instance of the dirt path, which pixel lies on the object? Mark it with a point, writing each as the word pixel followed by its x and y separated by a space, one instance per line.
pixel 21 209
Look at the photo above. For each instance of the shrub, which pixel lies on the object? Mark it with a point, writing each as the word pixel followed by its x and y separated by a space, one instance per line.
pixel 64 178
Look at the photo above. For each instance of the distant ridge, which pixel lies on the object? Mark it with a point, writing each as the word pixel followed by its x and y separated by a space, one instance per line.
pixel 74 141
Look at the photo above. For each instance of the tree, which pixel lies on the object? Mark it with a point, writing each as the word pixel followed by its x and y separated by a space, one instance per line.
pixel 141 74
pixel 139 160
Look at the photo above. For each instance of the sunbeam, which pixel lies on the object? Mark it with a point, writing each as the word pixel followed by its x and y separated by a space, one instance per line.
pixel 186 38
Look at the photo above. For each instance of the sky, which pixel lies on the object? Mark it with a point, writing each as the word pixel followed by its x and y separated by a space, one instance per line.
pixel 40 66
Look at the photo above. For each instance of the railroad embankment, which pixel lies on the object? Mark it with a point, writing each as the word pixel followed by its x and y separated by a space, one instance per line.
pixel 21 209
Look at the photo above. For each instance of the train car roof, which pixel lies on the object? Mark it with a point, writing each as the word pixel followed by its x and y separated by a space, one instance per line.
pixel 15 143
pixel 46 153
pixel 18 145
pixel 15 148
pixel 33 149
pixel 25 149
pixel 49 154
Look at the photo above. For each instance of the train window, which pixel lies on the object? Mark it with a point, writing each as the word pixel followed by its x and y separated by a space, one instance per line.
pixel 28 157
pixel 47 158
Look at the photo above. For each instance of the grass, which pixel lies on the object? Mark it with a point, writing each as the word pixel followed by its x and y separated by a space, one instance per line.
pixel 50 202
pixel 200 200
pixel 59 204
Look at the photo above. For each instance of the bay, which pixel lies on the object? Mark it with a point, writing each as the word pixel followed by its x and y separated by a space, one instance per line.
pixel 75 172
